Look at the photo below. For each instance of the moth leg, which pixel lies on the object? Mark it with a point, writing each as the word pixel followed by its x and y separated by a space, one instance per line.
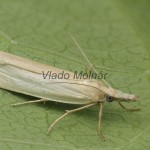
pixel 129 109
pixel 29 102
pixel 69 112
pixel 100 120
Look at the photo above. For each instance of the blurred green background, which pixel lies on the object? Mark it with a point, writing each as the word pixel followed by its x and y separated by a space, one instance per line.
pixel 115 36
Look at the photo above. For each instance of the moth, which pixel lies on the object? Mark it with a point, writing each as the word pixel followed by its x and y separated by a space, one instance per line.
pixel 25 76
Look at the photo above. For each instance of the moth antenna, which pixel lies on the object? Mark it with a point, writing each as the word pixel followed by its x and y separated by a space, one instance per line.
pixel 81 50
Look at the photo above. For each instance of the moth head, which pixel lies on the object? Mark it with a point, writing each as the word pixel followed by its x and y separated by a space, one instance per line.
pixel 127 98
pixel 116 95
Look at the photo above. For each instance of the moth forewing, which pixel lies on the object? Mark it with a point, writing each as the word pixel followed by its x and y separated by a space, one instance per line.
pixel 21 76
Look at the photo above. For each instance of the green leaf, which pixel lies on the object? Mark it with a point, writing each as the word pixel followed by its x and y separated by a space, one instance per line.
pixel 115 36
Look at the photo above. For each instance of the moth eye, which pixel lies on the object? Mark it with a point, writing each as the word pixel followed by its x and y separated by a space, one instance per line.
pixel 109 98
